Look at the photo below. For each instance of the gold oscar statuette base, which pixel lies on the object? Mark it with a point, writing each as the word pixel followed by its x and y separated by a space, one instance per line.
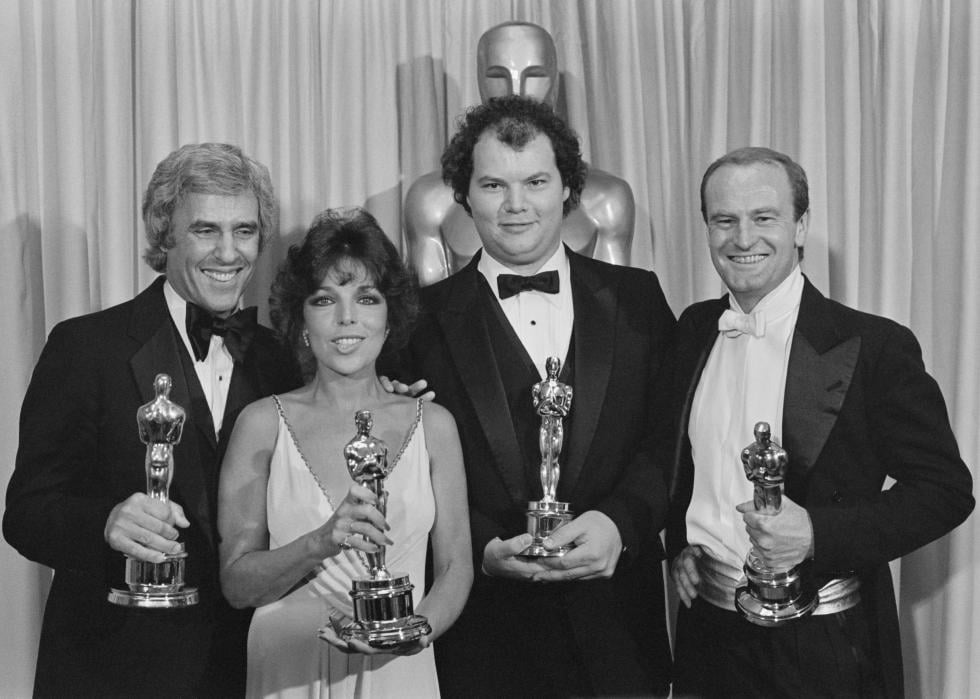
pixel 771 598
pixel 384 614
pixel 543 518
pixel 155 585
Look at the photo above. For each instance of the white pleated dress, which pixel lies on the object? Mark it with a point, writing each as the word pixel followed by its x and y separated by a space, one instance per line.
pixel 285 656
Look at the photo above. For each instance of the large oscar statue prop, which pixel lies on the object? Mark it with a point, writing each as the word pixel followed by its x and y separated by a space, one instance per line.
pixel 552 401
pixel 770 597
pixel 384 614
pixel 158 585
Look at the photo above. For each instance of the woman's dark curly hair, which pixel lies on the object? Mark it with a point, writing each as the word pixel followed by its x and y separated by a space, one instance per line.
pixel 516 121
pixel 338 237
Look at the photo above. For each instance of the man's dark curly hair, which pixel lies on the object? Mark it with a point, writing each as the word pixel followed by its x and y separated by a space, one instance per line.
pixel 516 121
pixel 337 238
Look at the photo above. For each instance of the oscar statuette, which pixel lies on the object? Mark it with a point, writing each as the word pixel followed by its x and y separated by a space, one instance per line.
pixel 384 613
pixel 552 401
pixel 158 585
pixel 771 597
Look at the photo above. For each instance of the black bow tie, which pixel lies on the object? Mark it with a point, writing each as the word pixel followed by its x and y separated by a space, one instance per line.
pixel 511 284
pixel 237 330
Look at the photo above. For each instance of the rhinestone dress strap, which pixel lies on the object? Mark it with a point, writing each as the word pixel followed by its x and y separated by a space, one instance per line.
pixel 411 433
pixel 299 450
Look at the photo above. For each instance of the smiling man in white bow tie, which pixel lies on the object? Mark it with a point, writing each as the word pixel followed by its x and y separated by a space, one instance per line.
pixel 848 398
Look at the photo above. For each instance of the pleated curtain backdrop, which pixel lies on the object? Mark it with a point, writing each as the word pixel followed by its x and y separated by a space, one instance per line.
pixel 348 101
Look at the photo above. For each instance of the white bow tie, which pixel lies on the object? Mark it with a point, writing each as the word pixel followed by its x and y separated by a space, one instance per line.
pixel 734 324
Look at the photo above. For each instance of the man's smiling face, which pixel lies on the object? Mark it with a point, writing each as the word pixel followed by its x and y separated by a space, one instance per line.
pixel 752 235
pixel 216 244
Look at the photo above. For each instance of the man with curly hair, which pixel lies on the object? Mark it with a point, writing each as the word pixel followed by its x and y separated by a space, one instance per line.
pixel 590 622
pixel 515 58
pixel 77 500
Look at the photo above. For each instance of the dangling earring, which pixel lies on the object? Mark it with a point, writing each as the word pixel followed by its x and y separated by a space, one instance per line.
pixel 306 337
pixel 387 330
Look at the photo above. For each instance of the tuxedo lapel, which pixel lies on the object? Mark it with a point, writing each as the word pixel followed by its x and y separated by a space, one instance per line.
pixel 693 355
pixel 246 386
pixel 159 352
pixel 690 357
pixel 595 303
pixel 821 366
pixel 464 324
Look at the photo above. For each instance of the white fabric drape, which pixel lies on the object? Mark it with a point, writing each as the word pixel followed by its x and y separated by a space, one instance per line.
pixel 348 101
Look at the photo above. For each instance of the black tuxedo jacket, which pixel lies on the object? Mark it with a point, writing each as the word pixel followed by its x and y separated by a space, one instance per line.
pixel 79 455
pixel 858 406
pixel 614 628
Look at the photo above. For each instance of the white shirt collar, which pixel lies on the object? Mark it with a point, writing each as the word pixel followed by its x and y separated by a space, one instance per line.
pixel 784 299
pixel 177 305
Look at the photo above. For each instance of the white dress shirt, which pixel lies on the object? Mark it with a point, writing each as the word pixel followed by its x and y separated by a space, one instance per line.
pixel 543 322
pixel 214 372
pixel 743 383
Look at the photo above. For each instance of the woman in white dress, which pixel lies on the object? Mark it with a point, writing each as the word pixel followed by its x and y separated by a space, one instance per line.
pixel 295 528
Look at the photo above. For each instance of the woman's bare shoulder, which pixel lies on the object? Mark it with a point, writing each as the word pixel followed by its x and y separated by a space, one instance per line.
pixel 438 421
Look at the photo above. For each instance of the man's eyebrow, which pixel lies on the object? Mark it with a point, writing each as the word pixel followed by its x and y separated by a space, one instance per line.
pixel 205 223
pixel 754 212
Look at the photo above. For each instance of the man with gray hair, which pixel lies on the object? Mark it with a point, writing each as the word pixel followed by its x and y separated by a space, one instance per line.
pixel 77 500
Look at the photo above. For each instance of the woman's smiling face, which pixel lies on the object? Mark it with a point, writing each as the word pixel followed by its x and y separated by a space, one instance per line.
pixel 347 319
